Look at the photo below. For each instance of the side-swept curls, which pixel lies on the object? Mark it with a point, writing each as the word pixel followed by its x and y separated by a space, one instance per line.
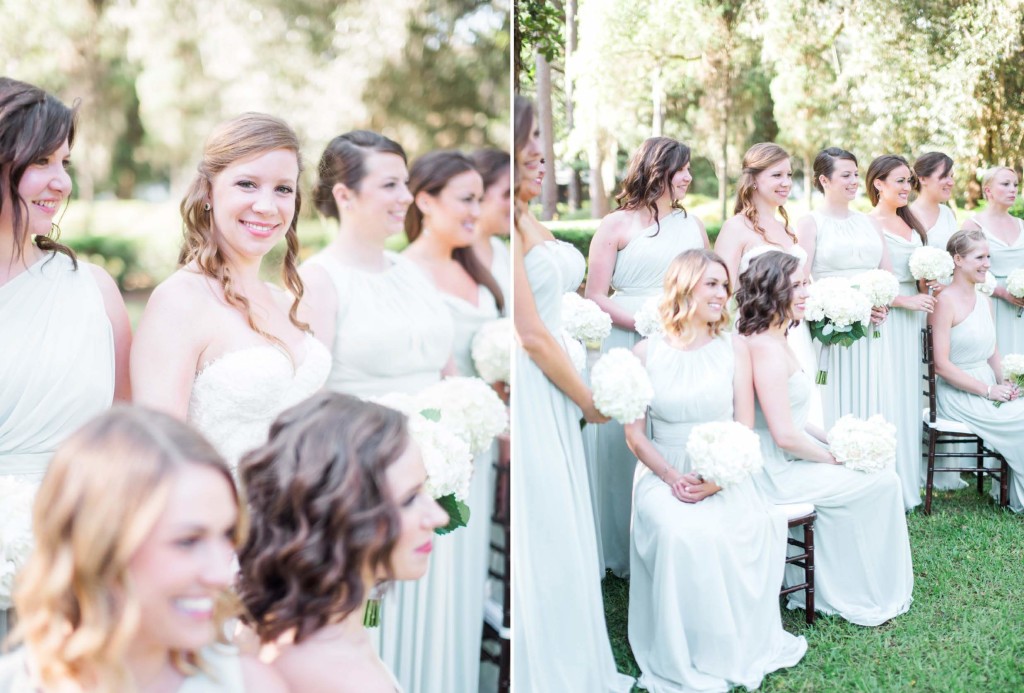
pixel 650 173
pixel 676 307
pixel 758 158
pixel 766 292
pixel 322 513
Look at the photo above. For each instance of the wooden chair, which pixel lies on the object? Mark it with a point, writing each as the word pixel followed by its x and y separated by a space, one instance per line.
pixel 936 430
pixel 496 646
pixel 802 515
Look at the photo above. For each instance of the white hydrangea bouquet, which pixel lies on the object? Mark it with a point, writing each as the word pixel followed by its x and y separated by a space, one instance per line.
pixel 584 319
pixel 863 445
pixel 880 287
pixel 1013 370
pixel 16 497
pixel 622 388
pixel 469 408
pixel 1015 286
pixel 725 452
pixel 492 350
pixel 647 320
pixel 836 313
pixel 931 264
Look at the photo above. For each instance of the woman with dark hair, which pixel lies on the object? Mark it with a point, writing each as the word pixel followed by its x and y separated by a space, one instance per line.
pixel 862 563
pixel 629 254
pixel 933 182
pixel 128 587
pixel 217 344
pixel 1005 235
pixel 495 166
pixel 560 638
pixel 705 565
pixel 968 361
pixel 338 507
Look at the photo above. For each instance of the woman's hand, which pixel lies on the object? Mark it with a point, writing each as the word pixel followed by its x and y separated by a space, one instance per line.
pixel 690 488
pixel 1002 392
pixel 1002 293
pixel 879 314
pixel 591 414
pixel 922 302
pixel 935 287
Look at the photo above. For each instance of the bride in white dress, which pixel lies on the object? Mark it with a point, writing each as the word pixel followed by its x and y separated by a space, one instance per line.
pixel 862 563
pixel 560 638
pixel 217 345
pixel 357 514
pixel 706 564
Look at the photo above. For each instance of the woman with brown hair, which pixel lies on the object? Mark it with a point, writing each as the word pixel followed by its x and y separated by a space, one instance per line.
pixel 490 245
pixel 933 182
pixel 136 526
pixel 338 507
pixel 629 254
pixel 862 565
pixel 218 345
pixel 706 564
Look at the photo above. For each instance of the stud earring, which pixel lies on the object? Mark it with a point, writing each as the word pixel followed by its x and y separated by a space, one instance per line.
pixel 206 207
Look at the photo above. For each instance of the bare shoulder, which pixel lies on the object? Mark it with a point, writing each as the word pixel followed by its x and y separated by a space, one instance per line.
pixel 184 293
pixel 640 350
pixel 102 278
pixel 763 348
pixel 972 224
pixel 261 678
pixel 735 227
pixel 806 225
pixel 740 348
pixel 614 226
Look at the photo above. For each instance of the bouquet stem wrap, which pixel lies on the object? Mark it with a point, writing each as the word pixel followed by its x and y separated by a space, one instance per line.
pixel 822 377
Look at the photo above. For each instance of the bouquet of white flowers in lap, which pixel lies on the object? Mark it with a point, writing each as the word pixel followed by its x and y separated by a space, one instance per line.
pixel 584 319
pixel 1015 286
pixel 16 498
pixel 647 320
pixel 1013 370
pixel 836 313
pixel 725 452
pixel 863 445
pixel 930 264
pixel 622 388
pixel 492 350
pixel 880 287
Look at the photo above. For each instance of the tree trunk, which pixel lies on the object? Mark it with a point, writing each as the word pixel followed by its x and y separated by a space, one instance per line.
pixel 575 191
pixel 598 197
pixel 657 104
pixel 545 117
pixel 723 176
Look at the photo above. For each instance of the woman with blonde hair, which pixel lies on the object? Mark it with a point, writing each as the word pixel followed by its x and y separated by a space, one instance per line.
pixel 629 255
pixel 136 526
pixel 217 345
pixel 1005 235
pixel 689 630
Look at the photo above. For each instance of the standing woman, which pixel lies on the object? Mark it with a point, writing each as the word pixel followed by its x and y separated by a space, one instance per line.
pixel 705 563
pixel 889 184
pixel 217 345
pixel 1005 235
pixel 843 243
pixel 560 638
pixel 441 225
pixel 629 255
pixel 933 181
pixel 490 246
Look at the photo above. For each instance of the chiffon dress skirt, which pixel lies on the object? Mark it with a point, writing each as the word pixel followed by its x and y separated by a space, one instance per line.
pixel 972 343
pixel 845 248
pixel 901 403
pixel 560 638
pixel 638 275
pixel 862 567
pixel 705 577
pixel 1005 259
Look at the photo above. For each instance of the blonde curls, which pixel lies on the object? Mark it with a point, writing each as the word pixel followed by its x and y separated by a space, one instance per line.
pixel 759 158
pixel 677 307
pixel 245 136
pixel 103 493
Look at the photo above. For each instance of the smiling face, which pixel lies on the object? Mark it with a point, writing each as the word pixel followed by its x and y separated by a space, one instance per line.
pixel 894 188
pixel 496 207
pixel 974 263
pixel 1002 189
pixel 680 182
pixel 798 297
pixel 937 187
pixel 774 183
pixel 531 166
pixel 710 294
pixel 419 515
pixel 185 563
pixel 379 206
pixel 44 186
pixel 843 184
pixel 253 202
pixel 453 213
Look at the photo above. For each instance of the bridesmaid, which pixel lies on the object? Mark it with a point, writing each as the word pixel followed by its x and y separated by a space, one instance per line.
pixel 316 550
pixel 495 166
pixel 968 363
pixel 1005 235
pixel 441 225
pixel 933 182
pixel 389 331
pixel 217 344
pixel 889 184
pixel 629 254
pixel 706 564
pixel 843 243
pixel 862 563
pixel 127 589
pixel 560 638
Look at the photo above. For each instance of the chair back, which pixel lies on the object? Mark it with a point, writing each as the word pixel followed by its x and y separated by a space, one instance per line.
pixel 928 359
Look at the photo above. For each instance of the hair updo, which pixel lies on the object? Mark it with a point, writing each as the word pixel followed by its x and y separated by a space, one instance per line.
pixel 825 164
pixel 344 161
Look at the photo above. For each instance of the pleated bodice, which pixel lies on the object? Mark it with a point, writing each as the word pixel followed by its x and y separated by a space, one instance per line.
pixel 640 266
pixel 845 247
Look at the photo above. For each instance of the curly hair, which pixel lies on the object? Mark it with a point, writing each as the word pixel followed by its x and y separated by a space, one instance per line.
pixel 759 158
pixel 344 161
pixel 676 307
pixel 766 293
pixel 33 124
pixel 245 136
pixel 879 169
pixel 103 493
pixel 650 174
pixel 322 513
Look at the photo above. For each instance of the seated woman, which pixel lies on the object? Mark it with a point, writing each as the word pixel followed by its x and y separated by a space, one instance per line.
pixel 705 564
pixel 136 525
pixel 862 553
pixel 338 505
pixel 968 362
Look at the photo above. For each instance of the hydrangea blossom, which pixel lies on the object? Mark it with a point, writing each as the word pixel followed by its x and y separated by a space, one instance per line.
pixel 647 320
pixel 584 319
pixel 622 388
pixel 469 408
pixel 863 445
pixel 725 452
pixel 492 350
pixel 16 497
pixel 930 264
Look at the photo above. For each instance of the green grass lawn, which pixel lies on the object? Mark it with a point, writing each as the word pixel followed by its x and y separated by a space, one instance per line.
pixel 964 631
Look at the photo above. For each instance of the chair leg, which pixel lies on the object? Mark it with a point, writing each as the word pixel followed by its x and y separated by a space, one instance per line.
pixel 809 573
pixel 929 484
pixel 1004 484
pixel 981 465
